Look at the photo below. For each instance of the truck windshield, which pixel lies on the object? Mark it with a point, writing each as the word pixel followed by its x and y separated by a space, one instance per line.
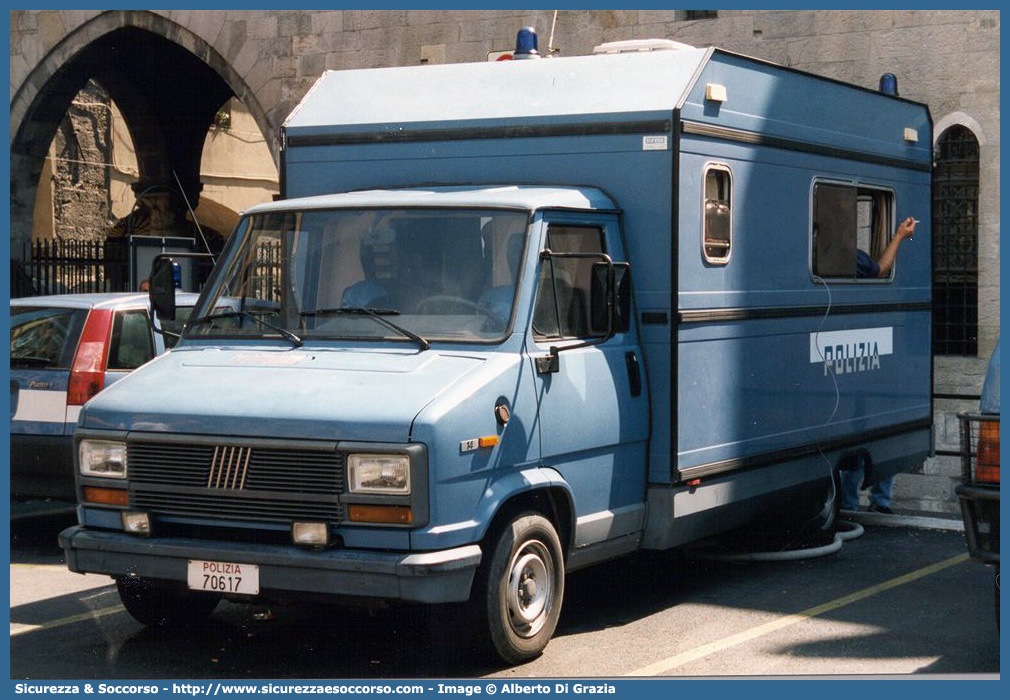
pixel 411 275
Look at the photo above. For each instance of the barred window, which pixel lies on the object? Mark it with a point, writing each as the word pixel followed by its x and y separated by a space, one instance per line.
pixel 686 15
pixel 955 243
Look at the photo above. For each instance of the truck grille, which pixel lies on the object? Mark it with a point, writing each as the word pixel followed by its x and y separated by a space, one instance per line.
pixel 979 491
pixel 979 456
pixel 236 481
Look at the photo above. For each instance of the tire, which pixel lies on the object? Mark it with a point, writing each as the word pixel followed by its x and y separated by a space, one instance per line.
pixel 520 597
pixel 158 606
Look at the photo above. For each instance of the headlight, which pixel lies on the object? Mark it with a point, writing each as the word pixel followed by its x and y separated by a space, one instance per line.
pixel 103 458
pixel 368 473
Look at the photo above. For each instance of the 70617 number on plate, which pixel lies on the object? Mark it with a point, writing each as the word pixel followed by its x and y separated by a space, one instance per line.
pixel 223 577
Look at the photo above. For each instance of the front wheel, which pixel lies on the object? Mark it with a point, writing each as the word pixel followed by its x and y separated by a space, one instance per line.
pixel 524 588
pixel 157 606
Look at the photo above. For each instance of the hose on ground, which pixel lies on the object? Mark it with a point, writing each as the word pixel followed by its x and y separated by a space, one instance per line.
pixel 852 531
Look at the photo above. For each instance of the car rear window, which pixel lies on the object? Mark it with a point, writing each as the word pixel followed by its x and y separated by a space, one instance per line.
pixel 45 337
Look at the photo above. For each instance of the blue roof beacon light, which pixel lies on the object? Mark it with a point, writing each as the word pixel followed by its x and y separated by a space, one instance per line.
pixel 526 44
pixel 889 84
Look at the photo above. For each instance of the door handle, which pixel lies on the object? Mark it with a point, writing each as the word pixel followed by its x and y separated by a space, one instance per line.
pixel 634 373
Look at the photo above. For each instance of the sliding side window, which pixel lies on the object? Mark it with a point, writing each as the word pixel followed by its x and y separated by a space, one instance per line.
pixel 851 227
pixel 717 234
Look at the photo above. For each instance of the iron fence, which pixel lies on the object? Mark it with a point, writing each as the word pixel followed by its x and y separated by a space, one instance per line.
pixel 71 266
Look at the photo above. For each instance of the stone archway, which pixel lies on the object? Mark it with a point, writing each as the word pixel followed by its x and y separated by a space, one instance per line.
pixel 167 81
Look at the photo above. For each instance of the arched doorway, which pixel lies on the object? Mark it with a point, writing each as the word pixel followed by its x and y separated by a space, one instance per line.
pixel 170 94
pixel 955 242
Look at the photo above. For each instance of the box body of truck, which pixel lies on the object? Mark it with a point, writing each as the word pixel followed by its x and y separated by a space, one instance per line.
pixel 544 313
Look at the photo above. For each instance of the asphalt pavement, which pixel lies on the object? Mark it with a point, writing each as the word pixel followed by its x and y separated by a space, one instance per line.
pixel 898 600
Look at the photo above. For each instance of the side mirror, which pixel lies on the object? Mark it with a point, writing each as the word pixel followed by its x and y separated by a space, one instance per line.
pixel 610 298
pixel 162 290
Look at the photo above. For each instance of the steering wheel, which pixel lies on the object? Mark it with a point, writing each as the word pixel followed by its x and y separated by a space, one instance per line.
pixel 449 299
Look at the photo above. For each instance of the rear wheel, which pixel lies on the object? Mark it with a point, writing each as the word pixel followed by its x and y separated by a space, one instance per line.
pixel 520 598
pixel 158 606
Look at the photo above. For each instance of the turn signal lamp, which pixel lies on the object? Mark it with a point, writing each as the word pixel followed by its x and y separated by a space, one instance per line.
pixel 105 497
pixel 987 460
pixel 390 515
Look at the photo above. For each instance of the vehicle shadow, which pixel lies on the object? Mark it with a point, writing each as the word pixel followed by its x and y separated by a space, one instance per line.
pixel 917 620
pixel 315 641
pixel 34 539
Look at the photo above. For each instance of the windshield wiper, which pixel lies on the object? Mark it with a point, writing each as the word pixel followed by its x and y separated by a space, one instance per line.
pixel 378 314
pixel 210 318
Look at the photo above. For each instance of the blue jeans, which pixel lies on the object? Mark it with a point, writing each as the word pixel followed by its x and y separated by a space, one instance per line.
pixel 880 492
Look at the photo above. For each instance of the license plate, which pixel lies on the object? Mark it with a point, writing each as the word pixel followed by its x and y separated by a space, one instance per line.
pixel 223 577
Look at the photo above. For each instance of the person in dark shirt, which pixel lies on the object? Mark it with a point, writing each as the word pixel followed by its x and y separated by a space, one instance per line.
pixel 868 268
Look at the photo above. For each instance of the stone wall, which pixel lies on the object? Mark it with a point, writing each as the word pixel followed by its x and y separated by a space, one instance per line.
pixel 80 176
pixel 948 59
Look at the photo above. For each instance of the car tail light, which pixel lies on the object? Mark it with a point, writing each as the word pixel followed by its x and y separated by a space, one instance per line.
pixel 987 461
pixel 87 374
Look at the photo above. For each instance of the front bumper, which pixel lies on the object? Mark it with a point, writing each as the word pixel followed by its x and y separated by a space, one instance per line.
pixel 428 577
pixel 980 511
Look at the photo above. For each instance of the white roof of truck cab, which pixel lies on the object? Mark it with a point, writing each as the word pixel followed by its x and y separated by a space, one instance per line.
pixel 526 198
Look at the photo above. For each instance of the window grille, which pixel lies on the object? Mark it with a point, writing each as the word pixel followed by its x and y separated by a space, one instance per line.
pixel 955 243
pixel 686 15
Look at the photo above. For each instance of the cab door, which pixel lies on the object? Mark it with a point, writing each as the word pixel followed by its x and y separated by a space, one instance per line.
pixel 593 407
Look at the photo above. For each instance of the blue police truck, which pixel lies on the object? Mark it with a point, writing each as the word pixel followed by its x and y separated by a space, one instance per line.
pixel 511 319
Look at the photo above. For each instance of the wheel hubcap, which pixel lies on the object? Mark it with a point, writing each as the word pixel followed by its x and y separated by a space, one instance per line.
pixel 530 588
